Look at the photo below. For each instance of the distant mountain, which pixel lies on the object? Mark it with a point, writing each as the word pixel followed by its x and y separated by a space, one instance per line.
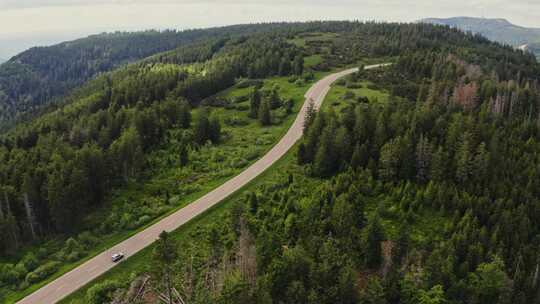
pixel 2 60
pixel 500 30
pixel 534 47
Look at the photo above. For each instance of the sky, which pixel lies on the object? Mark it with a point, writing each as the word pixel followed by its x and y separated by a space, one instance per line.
pixel 27 23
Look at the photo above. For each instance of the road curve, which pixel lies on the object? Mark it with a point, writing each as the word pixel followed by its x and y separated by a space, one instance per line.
pixel 91 269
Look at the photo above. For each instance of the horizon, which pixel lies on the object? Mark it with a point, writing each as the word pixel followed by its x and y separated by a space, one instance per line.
pixel 51 39
pixel 34 23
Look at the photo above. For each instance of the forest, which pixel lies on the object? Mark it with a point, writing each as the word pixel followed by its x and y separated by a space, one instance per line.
pixel 427 197
pixel 40 76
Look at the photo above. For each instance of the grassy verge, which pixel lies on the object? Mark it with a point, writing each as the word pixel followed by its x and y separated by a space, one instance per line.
pixel 136 263
pixel 216 170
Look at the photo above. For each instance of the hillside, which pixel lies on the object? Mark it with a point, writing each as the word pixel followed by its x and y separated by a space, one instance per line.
pixel 417 183
pixel 40 75
pixel 499 30
pixel 414 184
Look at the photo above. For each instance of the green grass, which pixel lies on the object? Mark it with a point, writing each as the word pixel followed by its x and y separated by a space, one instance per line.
pixel 211 166
pixel 136 264
pixel 336 97
pixel 425 228
pixel 302 39
pixel 312 60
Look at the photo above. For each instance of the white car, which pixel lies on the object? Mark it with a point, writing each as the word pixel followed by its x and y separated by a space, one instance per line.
pixel 117 257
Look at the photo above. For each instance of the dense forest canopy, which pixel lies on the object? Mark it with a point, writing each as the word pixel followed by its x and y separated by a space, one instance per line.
pixel 458 139
pixel 40 75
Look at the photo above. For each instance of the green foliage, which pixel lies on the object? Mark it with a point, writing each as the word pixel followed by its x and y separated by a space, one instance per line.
pixel 42 272
pixel 235 290
pixel 373 293
pixel 102 293
pixel 374 236
pixel 265 116
pixel 490 283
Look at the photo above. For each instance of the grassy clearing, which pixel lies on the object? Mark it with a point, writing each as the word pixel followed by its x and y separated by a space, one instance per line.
pixel 303 39
pixel 168 186
pixel 340 96
pixel 427 228
pixel 313 60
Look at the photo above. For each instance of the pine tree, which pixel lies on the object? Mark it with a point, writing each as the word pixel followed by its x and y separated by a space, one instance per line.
pixel 254 103
pixel 215 129
pixel 373 293
pixel 389 160
pixel 184 116
pixel 265 116
pixel 275 99
pixel 301 154
pixel 344 147
pixel 183 154
pixel 325 163
pixel 299 65
pixel 464 162
pixel 423 159
pixel 128 153
pixel 373 238
pixel 285 67
pixel 481 164
pixel 201 131
pixel 356 158
pixel 439 165
pixel 309 118
pixel 253 203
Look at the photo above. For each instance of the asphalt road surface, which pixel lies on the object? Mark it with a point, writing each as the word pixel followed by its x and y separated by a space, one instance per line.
pixel 80 276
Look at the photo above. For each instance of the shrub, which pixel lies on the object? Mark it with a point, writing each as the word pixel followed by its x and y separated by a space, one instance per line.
pixel 42 253
pixel 252 154
pixel 87 239
pixel 242 108
pixel 71 245
pixel 308 76
pixel 354 85
pixel 75 256
pixel 341 82
pixel 299 83
pixel 349 95
pixel 143 220
pixel 293 79
pixel 239 99
pixel 7 274
pixel 240 163
pixel 20 271
pixel 42 272
pixel 246 83
pixel 101 293
pixel 30 262
pixel 235 121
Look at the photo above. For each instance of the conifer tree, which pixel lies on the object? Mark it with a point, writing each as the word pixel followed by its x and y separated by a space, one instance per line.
pixel 254 103
pixel 265 116
pixel 374 235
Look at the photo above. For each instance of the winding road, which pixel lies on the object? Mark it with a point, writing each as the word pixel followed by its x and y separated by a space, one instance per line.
pixel 83 274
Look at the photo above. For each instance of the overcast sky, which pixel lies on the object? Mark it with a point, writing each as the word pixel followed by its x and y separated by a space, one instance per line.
pixel 25 23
